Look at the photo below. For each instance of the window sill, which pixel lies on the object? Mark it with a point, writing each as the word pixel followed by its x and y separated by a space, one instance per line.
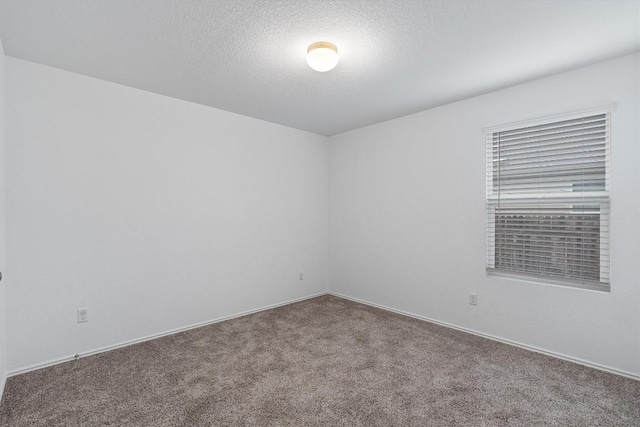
pixel 602 288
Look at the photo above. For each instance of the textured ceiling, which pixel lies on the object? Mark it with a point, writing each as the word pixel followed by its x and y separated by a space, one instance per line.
pixel 248 56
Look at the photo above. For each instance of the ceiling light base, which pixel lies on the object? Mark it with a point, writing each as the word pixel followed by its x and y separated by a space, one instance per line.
pixel 322 56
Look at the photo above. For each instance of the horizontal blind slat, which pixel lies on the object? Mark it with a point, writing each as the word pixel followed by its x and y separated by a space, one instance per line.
pixel 553 125
pixel 550 139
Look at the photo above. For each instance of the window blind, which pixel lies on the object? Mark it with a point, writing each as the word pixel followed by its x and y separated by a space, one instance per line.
pixel 548 202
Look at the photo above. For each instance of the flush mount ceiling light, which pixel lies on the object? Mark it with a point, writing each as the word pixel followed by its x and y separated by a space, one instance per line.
pixel 322 56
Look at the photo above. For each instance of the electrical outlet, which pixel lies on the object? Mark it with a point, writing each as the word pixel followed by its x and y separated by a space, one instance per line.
pixel 473 299
pixel 83 315
pixel 300 276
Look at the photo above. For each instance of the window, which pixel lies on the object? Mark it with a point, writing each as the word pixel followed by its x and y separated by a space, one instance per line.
pixel 548 200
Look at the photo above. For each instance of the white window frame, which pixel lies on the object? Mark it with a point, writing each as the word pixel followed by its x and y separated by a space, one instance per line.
pixel 605 214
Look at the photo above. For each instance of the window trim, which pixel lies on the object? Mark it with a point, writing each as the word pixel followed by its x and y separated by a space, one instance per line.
pixel 608 109
pixel 564 283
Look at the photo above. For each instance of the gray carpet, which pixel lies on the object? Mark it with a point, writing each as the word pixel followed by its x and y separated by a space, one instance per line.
pixel 325 361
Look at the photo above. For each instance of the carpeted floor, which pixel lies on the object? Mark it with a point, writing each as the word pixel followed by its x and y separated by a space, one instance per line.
pixel 325 361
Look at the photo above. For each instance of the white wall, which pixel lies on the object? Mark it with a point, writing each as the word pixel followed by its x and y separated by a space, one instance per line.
pixel 3 305
pixel 407 220
pixel 153 213
pixel 156 213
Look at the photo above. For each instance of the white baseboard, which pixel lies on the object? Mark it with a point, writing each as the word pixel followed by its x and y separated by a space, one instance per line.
pixel 495 338
pixel 3 382
pixel 383 307
pixel 151 337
